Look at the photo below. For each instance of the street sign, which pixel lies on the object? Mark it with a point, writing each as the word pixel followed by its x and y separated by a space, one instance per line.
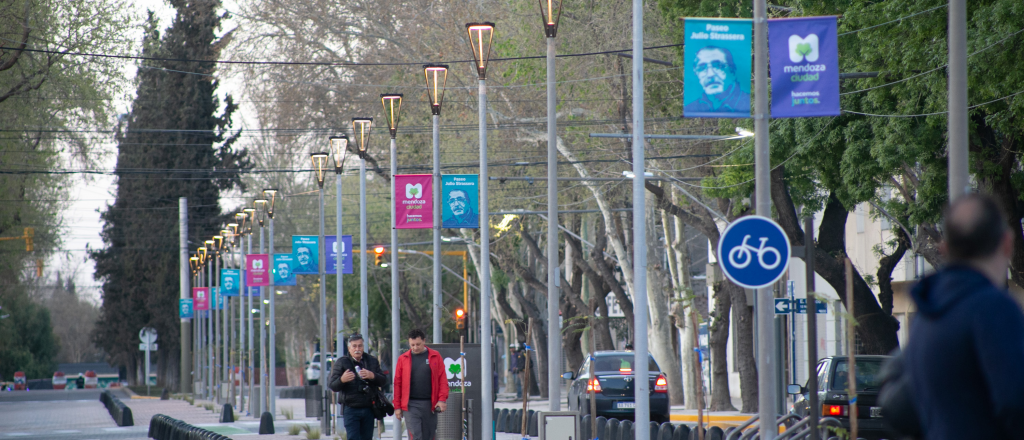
pixel 781 306
pixel 147 335
pixel 148 347
pixel 801 306
pixel 753 252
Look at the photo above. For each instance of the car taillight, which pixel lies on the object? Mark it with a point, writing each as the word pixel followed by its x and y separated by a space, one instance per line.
pixel 661 385
pixel 594 385
pixel 834 410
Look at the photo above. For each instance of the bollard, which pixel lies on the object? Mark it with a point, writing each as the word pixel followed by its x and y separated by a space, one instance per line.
pixel 602 422
pixel 715 433
pixel 682 432
pixel 585 433
pixel 626 430
pixel 666 431
pixel 693 433
pixel 515 421
pixel 611 430
pixel 531 425
pixel 165 394
pixel 266 423
pixel 227 414
pixel 502 420
pixel 655 427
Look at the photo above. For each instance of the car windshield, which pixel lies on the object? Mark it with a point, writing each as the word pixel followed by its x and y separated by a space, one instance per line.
pixel 621 363
pixel 867 372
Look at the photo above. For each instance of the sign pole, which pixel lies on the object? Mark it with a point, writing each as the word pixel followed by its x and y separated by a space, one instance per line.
pixel 812 327
pixel 184 377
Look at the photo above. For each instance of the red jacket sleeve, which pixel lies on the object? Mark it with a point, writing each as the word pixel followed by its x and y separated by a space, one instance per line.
pixel 397 390
pixel 441 380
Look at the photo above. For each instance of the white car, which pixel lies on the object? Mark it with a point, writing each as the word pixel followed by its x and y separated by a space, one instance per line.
pixel 312 372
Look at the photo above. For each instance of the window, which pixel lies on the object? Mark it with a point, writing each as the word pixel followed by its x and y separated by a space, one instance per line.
pixel 621 363
pixel 584 369
pixel 868 375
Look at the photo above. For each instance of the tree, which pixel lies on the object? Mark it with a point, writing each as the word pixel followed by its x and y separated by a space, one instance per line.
pixel 171 145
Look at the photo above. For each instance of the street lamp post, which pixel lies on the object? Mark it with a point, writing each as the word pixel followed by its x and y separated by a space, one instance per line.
pixel 642 388
pixel 218 316
pixel 480 36
pixel 339 149
pixel 251 215
pixel 320 168
pixel 271 196
pixel 193 263
pixel 225 333
pixel 393 112
pixel 436 76
pixel 210 253
pixel 261 210
pixel 233 228
pixel 551 12
pixel 361 130
pixel 242 293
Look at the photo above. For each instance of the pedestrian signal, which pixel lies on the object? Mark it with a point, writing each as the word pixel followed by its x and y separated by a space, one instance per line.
pixel 378 252
pixel 460 319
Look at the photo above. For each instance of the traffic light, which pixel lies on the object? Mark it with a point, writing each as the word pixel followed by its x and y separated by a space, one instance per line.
pixel 460 318
pixel 378 256
pixel 29 233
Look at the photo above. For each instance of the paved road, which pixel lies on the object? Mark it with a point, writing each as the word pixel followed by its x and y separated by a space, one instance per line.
pixel 60 415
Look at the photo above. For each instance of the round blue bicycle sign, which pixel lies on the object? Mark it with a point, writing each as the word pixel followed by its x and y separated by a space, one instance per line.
pixel 753 252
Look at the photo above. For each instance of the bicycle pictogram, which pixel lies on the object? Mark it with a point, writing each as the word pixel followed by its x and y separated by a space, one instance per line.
pixel 744 252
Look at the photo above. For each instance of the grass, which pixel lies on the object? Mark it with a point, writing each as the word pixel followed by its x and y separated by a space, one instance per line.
pixel 208 406
pixel 288 412
pixel 311 433
pixel 236 416
pixel 294 429
pixel 154 391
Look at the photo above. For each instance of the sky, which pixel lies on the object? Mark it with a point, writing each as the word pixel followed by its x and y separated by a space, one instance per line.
pixel 90 194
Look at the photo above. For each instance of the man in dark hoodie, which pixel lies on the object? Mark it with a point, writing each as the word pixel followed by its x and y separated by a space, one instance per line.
pixel 965 355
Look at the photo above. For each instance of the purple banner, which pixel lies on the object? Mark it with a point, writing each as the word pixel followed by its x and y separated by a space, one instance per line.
pixel 333 248
pixel 805 67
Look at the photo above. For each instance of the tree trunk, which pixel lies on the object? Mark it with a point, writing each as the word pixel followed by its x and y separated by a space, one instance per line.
pixel 743 317
pixel 721 399
pixel 659 296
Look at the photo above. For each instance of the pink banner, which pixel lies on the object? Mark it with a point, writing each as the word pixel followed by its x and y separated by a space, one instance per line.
pixel 257 270
pixel 201 298
pixel 414 207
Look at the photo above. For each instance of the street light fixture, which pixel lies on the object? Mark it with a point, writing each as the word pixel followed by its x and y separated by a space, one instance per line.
pixel 261 210
pixel 551 13
pixel 271 194
pixel 361 128
pixel 392 111
pixel 436 76
pixel 480 36
pixel 339 149
pixel 320 168
pixel 251 215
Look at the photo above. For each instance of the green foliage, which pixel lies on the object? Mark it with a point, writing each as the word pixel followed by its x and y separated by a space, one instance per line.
pixel 27 342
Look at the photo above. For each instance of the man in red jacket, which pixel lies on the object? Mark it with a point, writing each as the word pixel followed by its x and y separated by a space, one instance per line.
pixel 421 387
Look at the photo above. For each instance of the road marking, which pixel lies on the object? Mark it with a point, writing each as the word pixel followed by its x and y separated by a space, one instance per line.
pixel 17 434
pixel 66 431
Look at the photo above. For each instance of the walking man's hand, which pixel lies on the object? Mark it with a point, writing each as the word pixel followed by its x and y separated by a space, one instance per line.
pixel 348 376
pixel 398 413
pixel 441 406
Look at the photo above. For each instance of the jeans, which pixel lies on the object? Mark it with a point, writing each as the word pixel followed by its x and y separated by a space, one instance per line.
pixel 359 423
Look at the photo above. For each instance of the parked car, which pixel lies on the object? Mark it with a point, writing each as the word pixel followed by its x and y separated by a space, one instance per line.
pixel 312 373
pixel 833 380
pixel 613 384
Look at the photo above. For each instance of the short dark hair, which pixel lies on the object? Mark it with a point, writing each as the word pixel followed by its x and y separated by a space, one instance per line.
pixel 417 334
pixel 973 226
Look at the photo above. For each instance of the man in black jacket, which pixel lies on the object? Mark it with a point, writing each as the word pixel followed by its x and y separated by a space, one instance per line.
pixel 356 377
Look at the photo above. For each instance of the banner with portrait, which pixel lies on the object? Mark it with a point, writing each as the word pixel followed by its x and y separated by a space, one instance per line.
pixel 185 308
pixel 200 298
pixel 229 284
pixel 804 58
pixel 460 201
pixel 306 252
pixel 331 243
pixel 284 272
pixel 257 270
pixel 414 205
pixel 716 70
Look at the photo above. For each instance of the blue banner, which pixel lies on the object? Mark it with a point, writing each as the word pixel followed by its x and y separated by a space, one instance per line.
pixel 229 284
pixel 331 265
pixel 185 308
pixel 805 67
pixel 460 201
pixel 216 299
pixel 717 62
pixel 284 274
pixel 306 251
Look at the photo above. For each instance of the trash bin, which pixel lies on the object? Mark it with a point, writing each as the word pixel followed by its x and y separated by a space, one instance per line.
pixel 314 398
pixel 449 423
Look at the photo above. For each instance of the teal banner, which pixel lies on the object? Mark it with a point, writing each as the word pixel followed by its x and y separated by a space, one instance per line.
pixel 460 201
pixel 717 64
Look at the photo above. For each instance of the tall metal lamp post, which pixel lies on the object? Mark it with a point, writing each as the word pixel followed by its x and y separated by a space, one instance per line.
pixel 261 213
pixel 551 13
pixel 436 76
pixel 320 169
pixel 211 321
pixel 339 149
pixel 270 195
pixel 393 113
pixel 250 214
pixel 221 336
pixel 480 36
pixel 361 131
pixel 242 293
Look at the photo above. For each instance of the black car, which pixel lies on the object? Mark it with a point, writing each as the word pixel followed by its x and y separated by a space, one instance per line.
pixel 833 385
pixel 613 387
